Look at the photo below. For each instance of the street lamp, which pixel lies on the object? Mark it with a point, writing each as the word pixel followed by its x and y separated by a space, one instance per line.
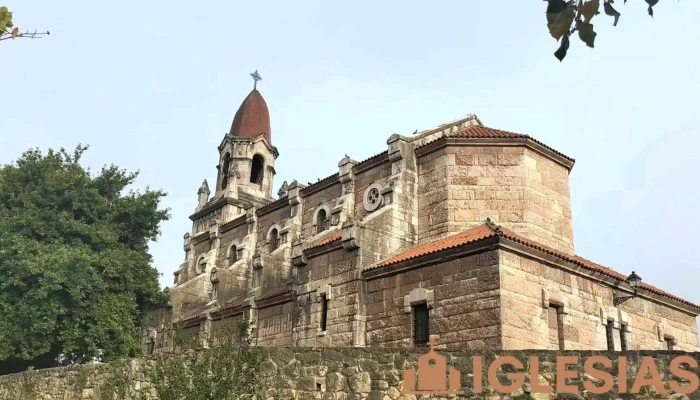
pixel 635 282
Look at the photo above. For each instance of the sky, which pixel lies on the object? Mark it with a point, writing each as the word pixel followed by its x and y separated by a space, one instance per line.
pixel 152 86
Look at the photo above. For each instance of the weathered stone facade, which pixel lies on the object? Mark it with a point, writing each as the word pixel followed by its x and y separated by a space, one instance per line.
pixel 465 226
pixel 358 374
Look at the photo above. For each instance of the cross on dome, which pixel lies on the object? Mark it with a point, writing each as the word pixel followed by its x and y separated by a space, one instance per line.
pixel 256 77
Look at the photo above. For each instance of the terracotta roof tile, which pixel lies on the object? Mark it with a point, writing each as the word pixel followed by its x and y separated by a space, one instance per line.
pixel 234 303
pixel 330 239
pixel 279 290
pixel 252 118
pixel 469 236
pixel 192 316
pixel 483 132
pixel 485 231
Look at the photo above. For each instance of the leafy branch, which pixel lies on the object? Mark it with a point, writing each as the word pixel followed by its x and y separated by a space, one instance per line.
pixel 564 18
pixel 9 31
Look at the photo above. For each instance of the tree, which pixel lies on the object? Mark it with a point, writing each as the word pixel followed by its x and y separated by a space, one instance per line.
pixel 227 368
pixel 9 31
pixel 564 18
pixel 76 276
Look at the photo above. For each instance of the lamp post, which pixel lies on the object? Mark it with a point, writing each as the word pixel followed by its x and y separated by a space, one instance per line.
pixel 635 282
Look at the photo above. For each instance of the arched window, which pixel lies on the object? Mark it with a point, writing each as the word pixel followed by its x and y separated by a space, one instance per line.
pixel 232 255
pixel 274 240
pixel 224 173
pixel 257 169
pixel 321 221
pixel 201 265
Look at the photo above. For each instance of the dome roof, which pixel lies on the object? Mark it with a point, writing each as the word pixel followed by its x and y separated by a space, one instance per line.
pixel 252 118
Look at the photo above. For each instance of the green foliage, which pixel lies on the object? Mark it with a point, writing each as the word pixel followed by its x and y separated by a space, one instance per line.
pixel 227 368
pixel 5 19
pixel 564 18
pixel 8 32
pixel 77 279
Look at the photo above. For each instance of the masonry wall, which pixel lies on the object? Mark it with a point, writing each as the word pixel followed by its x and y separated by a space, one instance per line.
pixel 201 246
pixel 276 268
pixel 235 234
pixel 433 196
pixel 327 197
pixel 547 211
pixel 337 269
pixel 274 325
pixel 461 186
pixel 528 286
pixel 377 174
pixel 343 373
pixel 277 216
pixel 465 312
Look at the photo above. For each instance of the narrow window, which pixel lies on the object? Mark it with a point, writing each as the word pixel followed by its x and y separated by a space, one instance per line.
pixel 224 170
pixel 421 324
pixel 321 221
pixel 151 346
pixel 232 256
pixel 274 240
pixel 257 169
pixel 623 337
pixel 324 312
pixel 609 335
pixel 669 343
pixel 554 320
pixel 239 254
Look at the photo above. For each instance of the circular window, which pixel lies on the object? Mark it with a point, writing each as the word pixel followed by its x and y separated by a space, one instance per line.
pixel 373 197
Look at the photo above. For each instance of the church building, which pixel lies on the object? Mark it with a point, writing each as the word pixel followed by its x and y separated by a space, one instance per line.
pixel 460 234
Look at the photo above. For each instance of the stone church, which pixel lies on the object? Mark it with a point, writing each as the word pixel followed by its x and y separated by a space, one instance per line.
pixel 461 234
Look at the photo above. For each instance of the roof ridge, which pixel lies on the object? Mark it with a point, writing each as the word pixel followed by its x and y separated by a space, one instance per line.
pixel 494 227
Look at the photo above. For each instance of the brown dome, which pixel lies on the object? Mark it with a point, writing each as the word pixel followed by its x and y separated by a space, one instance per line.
pixel 252 118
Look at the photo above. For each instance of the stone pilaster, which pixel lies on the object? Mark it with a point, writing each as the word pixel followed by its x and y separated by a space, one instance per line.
pixel 344 208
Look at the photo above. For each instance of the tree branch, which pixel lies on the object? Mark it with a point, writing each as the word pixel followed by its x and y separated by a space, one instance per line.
pixel 26 35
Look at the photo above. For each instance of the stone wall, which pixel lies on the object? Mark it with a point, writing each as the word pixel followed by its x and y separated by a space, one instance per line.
pixel 462 185
pixel 354 374
pixel 462 296
pixel 529 287
pixel 333 274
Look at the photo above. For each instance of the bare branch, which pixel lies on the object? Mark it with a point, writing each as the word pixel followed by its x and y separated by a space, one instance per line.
pixel 26 35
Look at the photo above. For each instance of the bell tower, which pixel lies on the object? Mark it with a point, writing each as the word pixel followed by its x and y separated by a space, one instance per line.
pixel 247 157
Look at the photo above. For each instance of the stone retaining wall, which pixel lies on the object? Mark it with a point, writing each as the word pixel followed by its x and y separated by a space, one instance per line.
pixel 354 374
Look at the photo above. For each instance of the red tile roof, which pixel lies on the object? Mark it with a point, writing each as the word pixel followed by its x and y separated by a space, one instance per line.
pixel 279 290
pixel 330 239
pixel 481 232
pixel 482 132
pixel 486 231
pixel 234 303
pixel 252 118
pixel 192 316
